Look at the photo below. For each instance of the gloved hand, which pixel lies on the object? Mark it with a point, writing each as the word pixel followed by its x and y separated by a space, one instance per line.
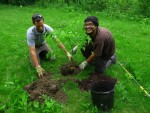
pixel 69 56
pixel 40 71
pixel 83 65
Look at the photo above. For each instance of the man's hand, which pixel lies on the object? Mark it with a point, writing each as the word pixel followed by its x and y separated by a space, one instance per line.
pixel 69 56
pixel 83 65
pixel 40 71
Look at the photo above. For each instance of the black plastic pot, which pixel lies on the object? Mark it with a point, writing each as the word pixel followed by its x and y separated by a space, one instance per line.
pixel 102 93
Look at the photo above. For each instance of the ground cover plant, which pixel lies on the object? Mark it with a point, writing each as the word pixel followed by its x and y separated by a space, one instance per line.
pixel 132 41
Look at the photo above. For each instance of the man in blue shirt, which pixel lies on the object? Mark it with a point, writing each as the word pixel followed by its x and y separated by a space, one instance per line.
pixel 37 44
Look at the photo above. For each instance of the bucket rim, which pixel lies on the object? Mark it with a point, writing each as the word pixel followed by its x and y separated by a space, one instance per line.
pixel 102 92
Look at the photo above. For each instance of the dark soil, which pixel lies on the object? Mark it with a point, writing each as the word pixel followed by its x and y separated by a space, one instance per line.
pixel 69 69
pixel 46 86
pixel 85 85
pixel 52 88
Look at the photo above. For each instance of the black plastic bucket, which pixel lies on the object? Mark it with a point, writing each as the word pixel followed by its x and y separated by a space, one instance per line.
pixel 102 93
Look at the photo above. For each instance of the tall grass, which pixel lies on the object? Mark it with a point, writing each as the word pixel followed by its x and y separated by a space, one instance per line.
pixel 132 42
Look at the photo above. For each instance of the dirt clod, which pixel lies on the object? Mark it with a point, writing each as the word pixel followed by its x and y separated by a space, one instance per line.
pixel 69 69
pixel 46 86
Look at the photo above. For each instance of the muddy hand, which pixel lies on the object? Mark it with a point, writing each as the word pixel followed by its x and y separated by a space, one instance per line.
pixel 40 71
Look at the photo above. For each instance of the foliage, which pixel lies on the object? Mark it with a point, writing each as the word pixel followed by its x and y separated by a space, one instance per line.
pixel 144 8
pixel 131 8
pixel 18 2
pixel 122 6
pixel 22 103
pixel 4 1
pixel 96 5
pixel 114 7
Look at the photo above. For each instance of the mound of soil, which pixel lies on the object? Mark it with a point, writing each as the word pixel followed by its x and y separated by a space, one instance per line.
pixel 69 69
pixel 86 84
pixel 46 86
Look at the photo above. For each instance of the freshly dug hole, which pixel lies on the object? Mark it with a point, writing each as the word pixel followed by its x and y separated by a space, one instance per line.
pixel 69 69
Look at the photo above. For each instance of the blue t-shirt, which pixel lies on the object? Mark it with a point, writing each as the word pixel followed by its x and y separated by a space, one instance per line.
pixel 34 38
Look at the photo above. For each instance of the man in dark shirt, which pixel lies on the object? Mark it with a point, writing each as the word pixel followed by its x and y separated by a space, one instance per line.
pixel 102 45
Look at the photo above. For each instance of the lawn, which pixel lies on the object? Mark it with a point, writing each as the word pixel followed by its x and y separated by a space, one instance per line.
pixel 132 50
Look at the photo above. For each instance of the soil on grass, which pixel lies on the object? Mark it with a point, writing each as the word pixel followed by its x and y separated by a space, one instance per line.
pixel 47 86
pixel 69 69
pixel 85 85
pixel 52 88
pixel 73 69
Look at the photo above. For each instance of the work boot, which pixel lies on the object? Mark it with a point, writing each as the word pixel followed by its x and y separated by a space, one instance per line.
pixel 113 59
pixel 109 62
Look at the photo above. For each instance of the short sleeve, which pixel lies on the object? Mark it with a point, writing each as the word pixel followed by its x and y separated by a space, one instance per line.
pixel 30 38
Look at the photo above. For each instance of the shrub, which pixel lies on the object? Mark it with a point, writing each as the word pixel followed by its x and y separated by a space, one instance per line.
pixel 144 7
pixel 18 2
pixel 91 5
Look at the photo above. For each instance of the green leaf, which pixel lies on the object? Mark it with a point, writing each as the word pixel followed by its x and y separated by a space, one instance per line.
pixel 36 104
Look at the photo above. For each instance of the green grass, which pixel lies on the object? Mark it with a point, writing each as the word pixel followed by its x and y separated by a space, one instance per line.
pixel 132 42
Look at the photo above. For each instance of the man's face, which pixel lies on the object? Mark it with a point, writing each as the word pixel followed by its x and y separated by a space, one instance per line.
pixel 90 28
pixel 39 26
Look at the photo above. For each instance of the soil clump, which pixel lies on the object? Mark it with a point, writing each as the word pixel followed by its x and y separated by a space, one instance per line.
pixel 69 69
pixel 48 87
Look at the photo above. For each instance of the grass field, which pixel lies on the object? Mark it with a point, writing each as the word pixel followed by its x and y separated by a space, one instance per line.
pixel 133 51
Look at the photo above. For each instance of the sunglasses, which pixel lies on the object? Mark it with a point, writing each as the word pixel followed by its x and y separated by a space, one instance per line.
pixel 36 16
